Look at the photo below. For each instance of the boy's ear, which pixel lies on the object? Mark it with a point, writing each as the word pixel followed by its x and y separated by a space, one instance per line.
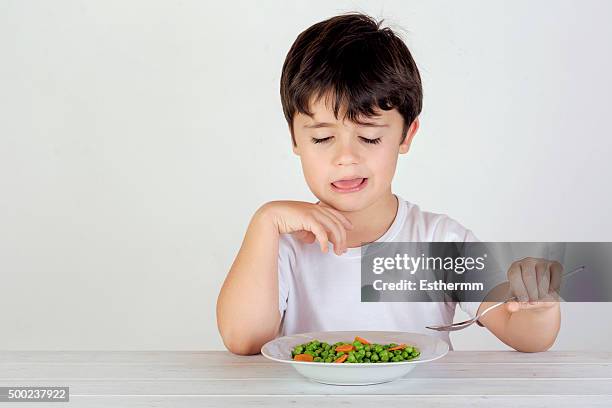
pixel 295 148
pixel 405 146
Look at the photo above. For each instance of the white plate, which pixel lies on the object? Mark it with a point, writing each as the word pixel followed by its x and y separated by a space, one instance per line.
pixel 431 348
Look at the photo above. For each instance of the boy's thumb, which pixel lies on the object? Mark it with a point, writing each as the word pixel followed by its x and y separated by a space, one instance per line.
pixel 305 236
pixel 513 307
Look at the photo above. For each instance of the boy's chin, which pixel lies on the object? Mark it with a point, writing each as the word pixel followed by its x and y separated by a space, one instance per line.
pixel 343 204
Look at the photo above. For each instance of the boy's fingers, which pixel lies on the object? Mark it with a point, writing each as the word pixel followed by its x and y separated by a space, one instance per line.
pixel 319 232
pixel 556 270
pixel 544 302
pixel 310 237
pixel 327 222
pixel 516 283
pixel 345 221
pixel 513 307
pixel 334 221
pixel 305 236
pixel 528 273
pixel 543 278
pixel 540 304
pixel 340 226
pixel 332 229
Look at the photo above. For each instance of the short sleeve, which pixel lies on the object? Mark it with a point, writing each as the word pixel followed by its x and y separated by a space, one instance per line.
pixel 286 257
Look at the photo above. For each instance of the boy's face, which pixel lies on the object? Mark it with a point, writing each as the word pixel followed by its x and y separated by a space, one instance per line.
pixel 346 152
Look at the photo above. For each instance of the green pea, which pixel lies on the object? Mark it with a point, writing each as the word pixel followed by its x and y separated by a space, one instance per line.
pixel 362 353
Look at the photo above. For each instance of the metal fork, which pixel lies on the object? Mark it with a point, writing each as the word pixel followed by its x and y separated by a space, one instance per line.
pixel 467 323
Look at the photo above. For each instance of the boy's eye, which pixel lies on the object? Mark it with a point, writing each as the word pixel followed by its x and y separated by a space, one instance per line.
pixel 323 140
pixel 365 139
pixel 371 141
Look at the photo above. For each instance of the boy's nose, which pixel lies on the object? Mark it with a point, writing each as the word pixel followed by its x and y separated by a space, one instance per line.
pixel 346 154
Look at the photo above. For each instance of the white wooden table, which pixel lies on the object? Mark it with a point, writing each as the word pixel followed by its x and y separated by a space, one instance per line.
pixel 218 378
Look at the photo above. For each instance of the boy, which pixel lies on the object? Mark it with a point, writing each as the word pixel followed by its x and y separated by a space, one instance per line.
pixel 351 94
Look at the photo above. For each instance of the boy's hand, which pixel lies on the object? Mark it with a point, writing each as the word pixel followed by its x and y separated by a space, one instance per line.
pixel 535 282
pixel 309 222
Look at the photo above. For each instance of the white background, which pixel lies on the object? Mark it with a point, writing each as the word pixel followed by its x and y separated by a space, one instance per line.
pixel 138 138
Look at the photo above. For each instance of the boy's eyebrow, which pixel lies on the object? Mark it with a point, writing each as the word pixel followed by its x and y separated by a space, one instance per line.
pixel 318 125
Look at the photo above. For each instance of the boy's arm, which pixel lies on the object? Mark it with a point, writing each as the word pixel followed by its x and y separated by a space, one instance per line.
pixel 533 324
pixel 247 306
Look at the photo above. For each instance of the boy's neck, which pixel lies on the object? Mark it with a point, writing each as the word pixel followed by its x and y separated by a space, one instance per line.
pixel 372 222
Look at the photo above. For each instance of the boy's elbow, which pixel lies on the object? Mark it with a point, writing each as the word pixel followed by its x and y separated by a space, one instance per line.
pixel 244 344
pixel 235 341
pixel 243 338
pixel 532 349
pixel 241 342
pixel 536 347
pixel 241 348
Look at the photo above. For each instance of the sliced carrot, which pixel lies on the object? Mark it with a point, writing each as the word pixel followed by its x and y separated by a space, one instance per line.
pixel 400 347
pixel 341 359
pixel 361 340
pixel 345 347
pixel 303 357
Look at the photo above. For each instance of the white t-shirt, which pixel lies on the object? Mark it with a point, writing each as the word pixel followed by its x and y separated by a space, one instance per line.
pixel 322 291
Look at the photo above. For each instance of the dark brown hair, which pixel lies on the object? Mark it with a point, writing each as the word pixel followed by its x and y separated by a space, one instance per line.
pixel 357 64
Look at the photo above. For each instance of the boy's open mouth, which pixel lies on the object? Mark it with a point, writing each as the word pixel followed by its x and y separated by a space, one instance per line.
pixel 349 186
